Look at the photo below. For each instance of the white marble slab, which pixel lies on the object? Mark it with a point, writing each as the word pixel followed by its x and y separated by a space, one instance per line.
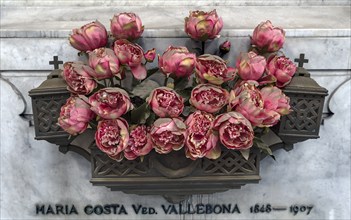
pixel 53 22
pixel 171 2
pixel 316 172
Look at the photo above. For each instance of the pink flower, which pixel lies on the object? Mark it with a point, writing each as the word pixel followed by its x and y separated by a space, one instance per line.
pixel 165 102
pixel 209 98
pixel 235 131
pixel 202 25
pixel 267 37
pixel 248 100
pixel 200 140
pixel 150 55
pixel 105 63
pixel 225 46
pixel 110 103
pixel 112 137
pixel 282 69
pixel 89 37
pixel 168 134
pixel 79 78
pixel 177 62
pixel 250 66
pixel 275 100
pixel 131 55
pixel 213 69
pixel 140 143
pixel 75 116
pixel 126 26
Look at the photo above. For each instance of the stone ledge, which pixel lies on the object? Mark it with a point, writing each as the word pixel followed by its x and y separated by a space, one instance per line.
pixel 166 22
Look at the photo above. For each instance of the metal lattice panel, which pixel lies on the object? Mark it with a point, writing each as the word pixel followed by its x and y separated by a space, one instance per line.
pixel 304 115
pixel 48 111
pixel 105 166
pixel 231 163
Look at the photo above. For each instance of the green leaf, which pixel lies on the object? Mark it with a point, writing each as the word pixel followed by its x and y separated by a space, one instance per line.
pixel 185 93
pixel 151 119
pixel 245 153
pixel 180 84
pixel 151 71
pixel 263 147
pixel 140 114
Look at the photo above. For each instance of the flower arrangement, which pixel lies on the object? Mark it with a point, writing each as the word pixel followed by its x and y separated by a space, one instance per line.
pixel 204 104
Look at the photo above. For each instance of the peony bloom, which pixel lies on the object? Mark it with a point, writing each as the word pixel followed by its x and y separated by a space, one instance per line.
pixel 126 26
pixel 89 37
pixel 225 46
pixel 140 143
pixel 75 116
pixel 202 25
pixel 150 55
pixel 209 98
pixel 131 55
pixel 177 62
pixel 274 99
pixel 249 101
pixel 250 66
pixel 105 63
pixel 168 134
pixel 112 137
pixel 79 78
pixel 200 140
pixel 165 102
pixel 235 131
pixel 267 37
pixel 282 69
pixel 213 69
pixel 110 103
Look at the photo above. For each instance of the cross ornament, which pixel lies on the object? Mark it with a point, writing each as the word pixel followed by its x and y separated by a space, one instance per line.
pixel 301 60
pixel 56 62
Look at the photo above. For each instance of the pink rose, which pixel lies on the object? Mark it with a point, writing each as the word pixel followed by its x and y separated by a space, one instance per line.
pixel 89 37
pixel 235 131
pixel 209 98
pixel 165 102
pixel 177 62
pixel 150 55
pixel 247 100
pixel 112 137
pixel 250 66
pixel 110 103
pixel 79 78
pixel 140 143
pixel 225 46
pixel 131 55
pixel 267 37
pixel 105 63
pixel 168 134
pixel 213 69
pixel 202 25
pixel 126 26
pixel 75 116
pixel 200 140
pixel 282 69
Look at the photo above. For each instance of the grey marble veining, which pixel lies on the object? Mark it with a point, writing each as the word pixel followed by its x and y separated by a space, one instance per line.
pixel 54 22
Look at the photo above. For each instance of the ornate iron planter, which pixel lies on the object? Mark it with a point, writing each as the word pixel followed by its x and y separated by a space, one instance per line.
pixel 174 176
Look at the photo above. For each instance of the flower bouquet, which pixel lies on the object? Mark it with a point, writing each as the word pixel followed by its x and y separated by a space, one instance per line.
pixel 203 105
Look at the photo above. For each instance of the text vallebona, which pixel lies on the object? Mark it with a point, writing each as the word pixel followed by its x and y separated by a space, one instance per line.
pixel 120 209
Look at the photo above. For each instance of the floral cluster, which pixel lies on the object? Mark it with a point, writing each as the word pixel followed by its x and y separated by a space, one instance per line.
pixel 206 105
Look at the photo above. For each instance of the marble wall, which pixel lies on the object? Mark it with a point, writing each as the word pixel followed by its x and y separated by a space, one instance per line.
pixel 315 173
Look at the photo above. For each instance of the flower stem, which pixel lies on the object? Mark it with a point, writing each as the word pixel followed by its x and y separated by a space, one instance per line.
pixel 166 80
pixel 203 47
pixel 111 82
